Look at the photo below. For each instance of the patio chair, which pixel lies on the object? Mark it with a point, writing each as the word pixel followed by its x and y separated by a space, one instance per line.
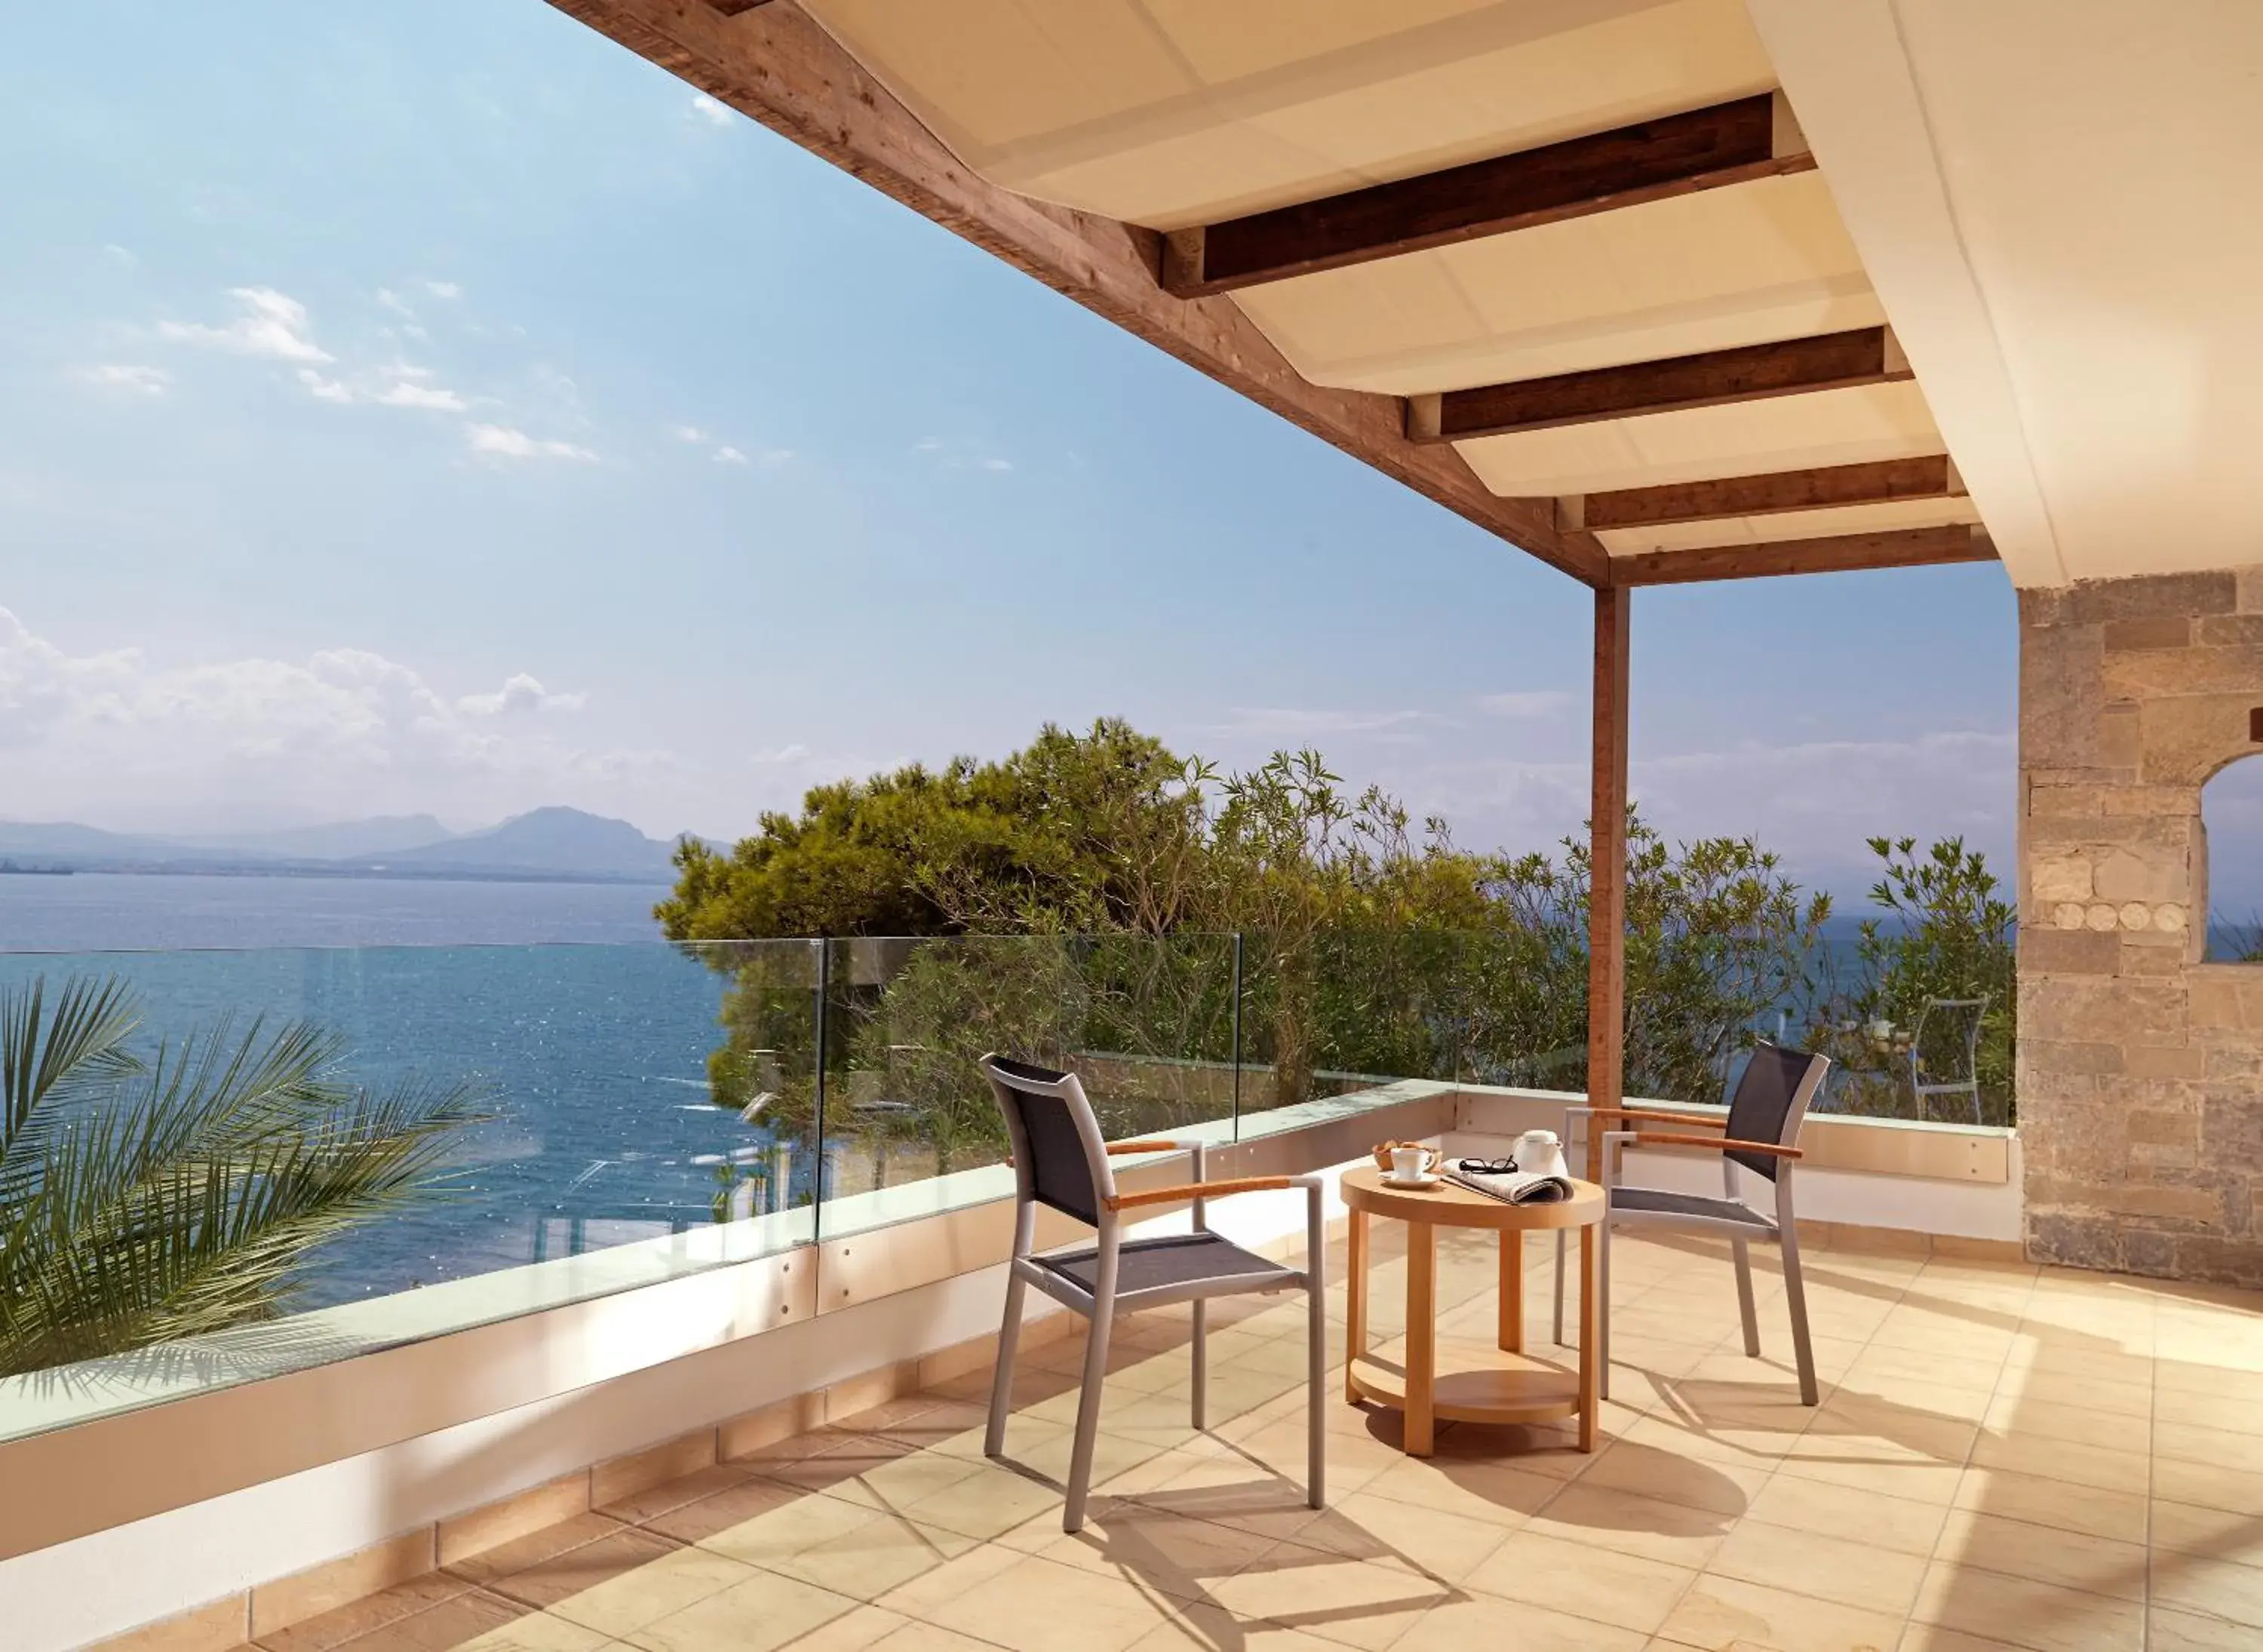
pixel 1758 1137
pixel 1060 1162
pixel 1961 1018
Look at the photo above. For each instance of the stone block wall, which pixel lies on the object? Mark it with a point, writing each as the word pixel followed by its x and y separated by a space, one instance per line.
pixel 2140 1075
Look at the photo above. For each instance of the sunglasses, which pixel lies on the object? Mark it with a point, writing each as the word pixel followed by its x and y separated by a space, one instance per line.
pixel 1486 1167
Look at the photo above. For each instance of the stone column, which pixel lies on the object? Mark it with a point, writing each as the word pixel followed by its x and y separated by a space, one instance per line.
pixel 2140 1068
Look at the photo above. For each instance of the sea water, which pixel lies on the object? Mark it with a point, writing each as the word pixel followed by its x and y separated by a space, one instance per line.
pixel 586 1033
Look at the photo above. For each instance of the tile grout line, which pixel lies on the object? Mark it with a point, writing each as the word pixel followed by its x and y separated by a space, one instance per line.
pixel 1658 1400
pixel 1995 1388
pixel 2152 1473
pixel 1837 1386
pixel 1172 1606
pixel 2146 1599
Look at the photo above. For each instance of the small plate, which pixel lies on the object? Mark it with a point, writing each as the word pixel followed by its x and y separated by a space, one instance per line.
pixel 1418 1185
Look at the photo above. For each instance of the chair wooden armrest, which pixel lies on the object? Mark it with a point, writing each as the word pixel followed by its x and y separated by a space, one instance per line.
pixel 1200 1190
pixel 1727 1144
pixel 1115 1148
pixel 1696 1120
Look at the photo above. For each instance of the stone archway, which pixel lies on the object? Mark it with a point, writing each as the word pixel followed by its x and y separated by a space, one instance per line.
pixel 2140 1067
pixel 2231 817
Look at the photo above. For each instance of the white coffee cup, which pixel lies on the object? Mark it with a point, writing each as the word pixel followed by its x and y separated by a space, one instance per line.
pixel 1538 1152
pixel 1413 1163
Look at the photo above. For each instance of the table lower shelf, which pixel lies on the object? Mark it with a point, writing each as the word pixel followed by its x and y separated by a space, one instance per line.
pixel 1515 1391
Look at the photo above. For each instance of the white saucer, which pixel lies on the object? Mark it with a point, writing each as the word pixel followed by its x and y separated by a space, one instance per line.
pixel 1418 1185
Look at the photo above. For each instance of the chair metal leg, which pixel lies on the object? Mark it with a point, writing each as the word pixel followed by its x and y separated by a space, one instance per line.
pixel 1560 1288
pixel 1316 1330
pixel 1088 1405
pixel 1795 1293
pixel 1744 1255
pixel 1602 1315
pixel 1202 1362
pixel 1002 1385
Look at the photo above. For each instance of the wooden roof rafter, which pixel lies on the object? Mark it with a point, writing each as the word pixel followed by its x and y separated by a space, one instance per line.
pixel 1714 148
pixel 1714 378
pixel 1830 554
pixel 774 64
pixel 1727 498
pixel 771 60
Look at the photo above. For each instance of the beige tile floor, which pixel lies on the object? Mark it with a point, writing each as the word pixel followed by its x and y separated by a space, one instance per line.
pixel 2004 1457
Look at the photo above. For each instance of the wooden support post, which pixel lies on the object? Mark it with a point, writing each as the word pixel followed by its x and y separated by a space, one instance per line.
pixel 1421 1338
pixel 1355 1300
pixel 1607 867
pixel 1591 1319
pixel 1511 1290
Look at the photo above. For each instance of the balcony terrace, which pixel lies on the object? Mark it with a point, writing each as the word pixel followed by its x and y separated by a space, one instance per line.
pixel 2006 1454
pixel 1656 293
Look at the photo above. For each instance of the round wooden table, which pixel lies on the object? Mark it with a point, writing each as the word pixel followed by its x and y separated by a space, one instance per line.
pixel 1515 1390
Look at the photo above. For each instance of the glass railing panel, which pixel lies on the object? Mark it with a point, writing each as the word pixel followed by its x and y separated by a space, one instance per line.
pixel 1369 1016
pixel 911 1128
pixel 616 1142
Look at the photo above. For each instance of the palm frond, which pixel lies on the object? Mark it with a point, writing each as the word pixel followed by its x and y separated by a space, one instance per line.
pixel 51 1058
pixel 186 1194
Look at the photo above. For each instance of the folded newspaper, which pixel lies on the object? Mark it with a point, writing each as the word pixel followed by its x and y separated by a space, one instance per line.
pixel 1516 1188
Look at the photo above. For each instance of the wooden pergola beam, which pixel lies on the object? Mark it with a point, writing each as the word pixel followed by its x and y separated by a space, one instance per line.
pixel 1730 498
pixel 775 65
pixel 1683 154
pixel 1714 378
pixel 1834 553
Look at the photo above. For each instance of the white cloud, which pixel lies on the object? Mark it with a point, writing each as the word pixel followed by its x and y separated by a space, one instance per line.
pixel 325 389
pixel 394 302
pixel 501 441
pixel 113 738
pixel 519 693
pixel 117 375
pixel 406 392
pixel 272 324
pixel 707 109
pixel 724 453
pixel 960 455
pixel 1533 702
pixel 118 255
pixel 1814 802
pixel 401 386
pixel 443 289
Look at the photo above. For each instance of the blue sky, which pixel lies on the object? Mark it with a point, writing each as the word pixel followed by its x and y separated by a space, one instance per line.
pixel 422 406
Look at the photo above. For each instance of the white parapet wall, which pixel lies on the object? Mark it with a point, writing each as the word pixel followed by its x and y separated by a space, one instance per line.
pixel 612 1374
pixel 1891 1174
pixel 475 1392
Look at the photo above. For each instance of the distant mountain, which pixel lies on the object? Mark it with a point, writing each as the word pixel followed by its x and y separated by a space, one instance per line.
pixel 558 843
pixel 66 840
pixel 340 840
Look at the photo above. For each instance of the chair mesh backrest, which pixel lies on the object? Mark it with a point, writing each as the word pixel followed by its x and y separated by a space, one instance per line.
pixel 1764 1100
pixel 1060 1175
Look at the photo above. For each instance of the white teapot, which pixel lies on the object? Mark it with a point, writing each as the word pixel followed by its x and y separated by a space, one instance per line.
pixel 1539 1153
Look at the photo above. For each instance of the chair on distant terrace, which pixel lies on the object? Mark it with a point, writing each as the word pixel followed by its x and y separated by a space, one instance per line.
pixel 1060 1162
pixel 1758 1137
pixel 1947 1064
